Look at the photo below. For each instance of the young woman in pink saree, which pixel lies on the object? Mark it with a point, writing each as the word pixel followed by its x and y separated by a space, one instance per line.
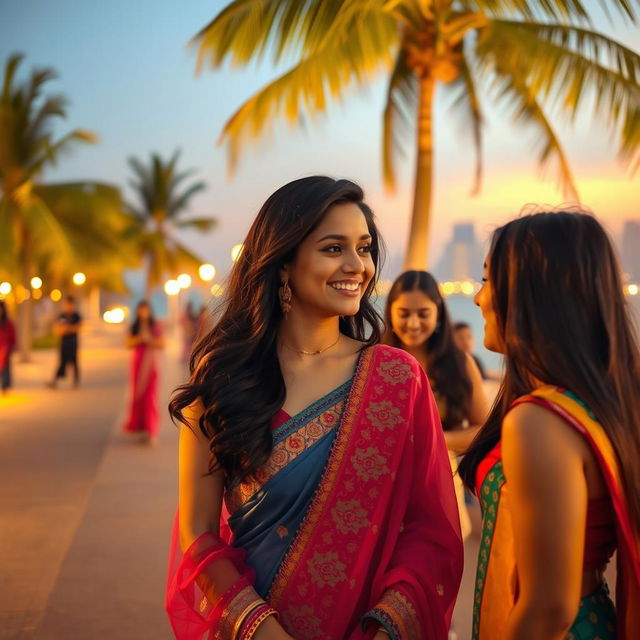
pixel 145 339
pixel 316 497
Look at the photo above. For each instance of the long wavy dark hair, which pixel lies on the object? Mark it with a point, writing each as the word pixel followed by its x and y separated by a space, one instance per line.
pixel 135 327
pixel 563 320
pixel 234 368
pixel 4 316
pixel 446 363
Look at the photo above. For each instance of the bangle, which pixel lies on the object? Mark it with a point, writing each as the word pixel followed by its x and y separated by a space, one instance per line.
pixel 241 619
pixel 259 616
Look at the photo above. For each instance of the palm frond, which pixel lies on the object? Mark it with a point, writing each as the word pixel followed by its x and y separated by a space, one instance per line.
pixel 566 11
pixel 13 62
pixel 467 103
pixel 179 202
pixel 201 224
pixel 564 64
pixel 246 29
pixel 511 88
pixel 306 89
pixel 399 116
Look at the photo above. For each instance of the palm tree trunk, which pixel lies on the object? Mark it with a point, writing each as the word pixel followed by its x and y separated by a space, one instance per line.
pixel 418 245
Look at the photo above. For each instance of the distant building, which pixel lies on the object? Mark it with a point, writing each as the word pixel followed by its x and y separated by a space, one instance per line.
pixel 462 257
pixel 630 250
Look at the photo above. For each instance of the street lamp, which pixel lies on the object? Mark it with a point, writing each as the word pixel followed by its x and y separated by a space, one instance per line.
pixel 36 283
pixel 79 278
pixel 207 272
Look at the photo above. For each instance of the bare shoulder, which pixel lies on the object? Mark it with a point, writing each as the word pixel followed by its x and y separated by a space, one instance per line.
pixel 538 430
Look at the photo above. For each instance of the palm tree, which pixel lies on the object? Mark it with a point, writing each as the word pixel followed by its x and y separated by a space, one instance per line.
pixel 528 56
pixel 44 229
pixel 163 202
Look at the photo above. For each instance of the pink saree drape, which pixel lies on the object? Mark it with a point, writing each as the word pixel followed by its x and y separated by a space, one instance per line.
pixel 143 408
pixel 380 543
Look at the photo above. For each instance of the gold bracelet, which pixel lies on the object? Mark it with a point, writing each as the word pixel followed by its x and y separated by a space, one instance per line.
pixel 258 621
pixel 243 616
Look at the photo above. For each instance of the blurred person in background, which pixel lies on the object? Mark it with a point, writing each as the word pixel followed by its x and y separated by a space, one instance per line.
pixel 145 339
pixel 557 463
pixel 417 320
pixel 463 337
pixel 67 327
pixel 7 344
pixel 315 493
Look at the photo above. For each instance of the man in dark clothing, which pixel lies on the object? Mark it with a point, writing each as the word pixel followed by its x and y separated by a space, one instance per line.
pixel 67 326
pixel 463 337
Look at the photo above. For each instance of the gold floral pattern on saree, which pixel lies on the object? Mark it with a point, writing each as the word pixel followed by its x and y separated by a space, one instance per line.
pixel 302 619
pixel 344 512
pixel 349 516
pixel 326 569
pixel 284 452
pixel 369 463
pixel 384 415
pixel 395 371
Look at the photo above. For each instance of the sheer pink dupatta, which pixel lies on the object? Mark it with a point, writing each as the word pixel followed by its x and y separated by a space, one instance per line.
pixel 209 585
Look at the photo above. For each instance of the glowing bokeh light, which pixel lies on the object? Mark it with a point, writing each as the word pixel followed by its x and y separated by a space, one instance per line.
pixel 217 290
pixel 184 280
pixel 172 287
pixel 207 272
pixel 36 283
pixel 79 278
pixel 114 316
pixel 5 288
pixel 633 289
pixel 56 295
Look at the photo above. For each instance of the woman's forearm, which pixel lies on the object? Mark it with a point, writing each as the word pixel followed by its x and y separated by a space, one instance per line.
pixel 543 622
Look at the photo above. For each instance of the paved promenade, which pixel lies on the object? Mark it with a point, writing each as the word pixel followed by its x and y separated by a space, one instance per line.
pixel 85 513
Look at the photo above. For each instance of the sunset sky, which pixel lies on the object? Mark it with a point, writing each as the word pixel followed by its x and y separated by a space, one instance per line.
pixel 129 76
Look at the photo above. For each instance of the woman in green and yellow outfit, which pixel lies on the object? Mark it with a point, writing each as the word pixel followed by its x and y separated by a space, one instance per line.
pixel 557 464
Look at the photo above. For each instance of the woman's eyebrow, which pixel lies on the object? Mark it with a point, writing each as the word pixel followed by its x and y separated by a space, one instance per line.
pixel 337 236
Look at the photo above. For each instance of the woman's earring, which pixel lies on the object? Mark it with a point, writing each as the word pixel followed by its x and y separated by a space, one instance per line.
pixel 285 298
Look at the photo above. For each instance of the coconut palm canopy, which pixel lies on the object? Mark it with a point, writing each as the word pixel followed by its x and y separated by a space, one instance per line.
pixel 163 201
pixel 533 57
pixel 50 230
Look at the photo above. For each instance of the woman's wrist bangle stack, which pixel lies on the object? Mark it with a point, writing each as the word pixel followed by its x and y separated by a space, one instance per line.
pixel 254 619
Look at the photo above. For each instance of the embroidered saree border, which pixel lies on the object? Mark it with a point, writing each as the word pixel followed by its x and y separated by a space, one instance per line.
pixel 313 587
pixel 327 482
pixel 490 498
pixel 300 434
pixel 399 615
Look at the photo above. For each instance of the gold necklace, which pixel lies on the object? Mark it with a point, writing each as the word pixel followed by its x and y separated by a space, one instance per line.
pixel 313 353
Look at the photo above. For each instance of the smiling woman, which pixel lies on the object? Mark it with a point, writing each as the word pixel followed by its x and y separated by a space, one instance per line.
pixel 316 498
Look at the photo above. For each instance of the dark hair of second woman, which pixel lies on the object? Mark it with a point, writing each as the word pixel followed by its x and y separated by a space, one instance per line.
pixel 135 327
pixel 446 363
pixel 234 368
pixel 3 312
pixel 563 320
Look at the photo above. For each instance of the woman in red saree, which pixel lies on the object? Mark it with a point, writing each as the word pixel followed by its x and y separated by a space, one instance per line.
pixel 145 339
pixel 556 464
pixel 316 497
